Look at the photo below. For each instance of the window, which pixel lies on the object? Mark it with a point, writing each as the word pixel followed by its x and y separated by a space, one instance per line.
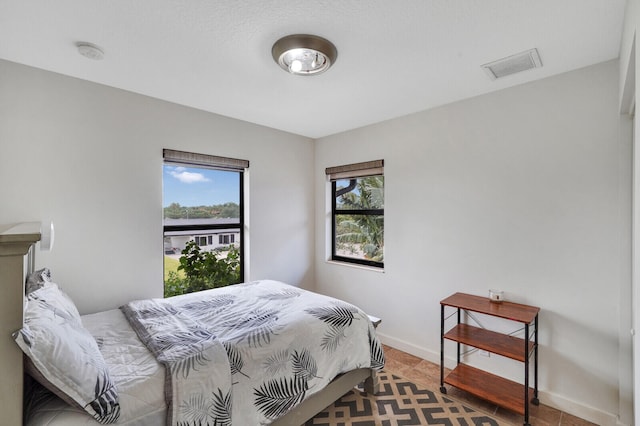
pixel 202 204
pixel 357 194
pixel 226 239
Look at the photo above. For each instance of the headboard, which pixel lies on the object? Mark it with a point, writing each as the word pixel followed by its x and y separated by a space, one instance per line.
pixel 16 240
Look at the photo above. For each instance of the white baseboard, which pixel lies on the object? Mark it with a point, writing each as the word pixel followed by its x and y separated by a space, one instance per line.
pixel 415 350
pixel 551 399
pixel 578 409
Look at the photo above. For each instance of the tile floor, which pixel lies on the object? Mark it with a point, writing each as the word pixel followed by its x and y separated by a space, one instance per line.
pixel 427 373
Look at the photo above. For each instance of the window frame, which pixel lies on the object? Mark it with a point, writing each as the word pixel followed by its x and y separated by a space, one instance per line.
pixel 353 172
pixel 185 159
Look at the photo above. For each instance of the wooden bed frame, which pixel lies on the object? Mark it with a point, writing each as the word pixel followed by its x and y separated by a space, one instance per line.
pixel 18 240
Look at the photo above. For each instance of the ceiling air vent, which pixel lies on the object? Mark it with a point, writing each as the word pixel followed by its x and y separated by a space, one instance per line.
pixel 513 64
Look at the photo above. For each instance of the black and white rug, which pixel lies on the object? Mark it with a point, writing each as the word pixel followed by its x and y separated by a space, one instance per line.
pixel 400 402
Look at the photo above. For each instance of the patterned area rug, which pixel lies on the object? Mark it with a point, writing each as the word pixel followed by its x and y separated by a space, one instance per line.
pixel 399 402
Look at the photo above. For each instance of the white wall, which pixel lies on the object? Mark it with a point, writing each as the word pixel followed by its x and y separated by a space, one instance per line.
pixel 628 95
pixel 89 158
pixel 521 190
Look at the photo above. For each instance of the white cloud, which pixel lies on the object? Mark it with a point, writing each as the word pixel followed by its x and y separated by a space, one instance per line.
pixel 188 177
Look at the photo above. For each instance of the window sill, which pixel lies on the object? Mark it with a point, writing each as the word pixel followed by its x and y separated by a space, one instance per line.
pixel 355 265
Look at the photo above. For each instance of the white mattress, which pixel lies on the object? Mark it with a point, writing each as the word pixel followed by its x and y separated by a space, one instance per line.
pixel 138 377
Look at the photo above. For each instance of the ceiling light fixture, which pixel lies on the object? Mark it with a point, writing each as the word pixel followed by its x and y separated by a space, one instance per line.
pixel 304 54
pixel 89 50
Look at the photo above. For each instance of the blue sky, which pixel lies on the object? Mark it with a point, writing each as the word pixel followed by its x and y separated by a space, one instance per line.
pixel 190 186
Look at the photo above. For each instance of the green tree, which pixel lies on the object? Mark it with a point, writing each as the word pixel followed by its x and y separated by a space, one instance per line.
pixel 203 270
pixel 365 232
pixel 176 211
pixel 229 210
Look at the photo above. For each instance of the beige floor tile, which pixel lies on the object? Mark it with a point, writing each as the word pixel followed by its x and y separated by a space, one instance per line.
pixel 406 358
pixel 544 413
pixel 510 416
pixel 569 420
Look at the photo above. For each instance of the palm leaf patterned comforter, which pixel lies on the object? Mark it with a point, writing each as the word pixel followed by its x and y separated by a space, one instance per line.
pixel 248 353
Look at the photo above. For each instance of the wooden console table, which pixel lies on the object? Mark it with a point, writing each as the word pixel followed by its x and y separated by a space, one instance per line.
pixel 498 390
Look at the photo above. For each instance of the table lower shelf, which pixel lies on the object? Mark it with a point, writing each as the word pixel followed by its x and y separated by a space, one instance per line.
pixel 495 389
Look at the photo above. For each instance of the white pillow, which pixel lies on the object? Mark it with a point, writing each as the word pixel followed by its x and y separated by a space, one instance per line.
pixel 51 297
pixel 65 355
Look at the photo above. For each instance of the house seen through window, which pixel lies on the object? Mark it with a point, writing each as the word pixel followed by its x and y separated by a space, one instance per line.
pixel 203 221
pixel 357 194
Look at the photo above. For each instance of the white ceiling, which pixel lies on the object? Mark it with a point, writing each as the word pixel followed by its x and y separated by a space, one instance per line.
pixel 394 57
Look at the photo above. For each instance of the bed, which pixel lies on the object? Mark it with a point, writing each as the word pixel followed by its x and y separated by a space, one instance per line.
pixel 255 353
